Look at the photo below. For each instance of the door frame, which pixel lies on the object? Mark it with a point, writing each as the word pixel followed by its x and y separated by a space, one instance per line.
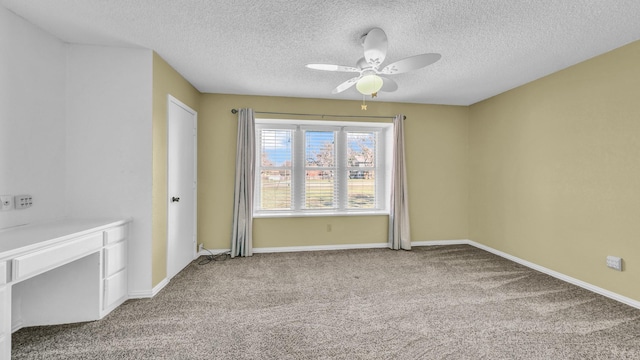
pixel 172 100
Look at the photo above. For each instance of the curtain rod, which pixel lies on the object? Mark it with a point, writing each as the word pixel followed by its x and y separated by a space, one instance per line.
pixel 235 111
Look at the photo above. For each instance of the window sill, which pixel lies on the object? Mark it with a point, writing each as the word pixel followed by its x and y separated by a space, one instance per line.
pixel 284 214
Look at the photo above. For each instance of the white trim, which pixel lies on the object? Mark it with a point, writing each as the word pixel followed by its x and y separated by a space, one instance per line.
pixel 208 252
pixel 17 326
pixel 149 294
pixel 156 289
pixel 311 213
pixel 319 248
pixel 139 294
pixel 440 242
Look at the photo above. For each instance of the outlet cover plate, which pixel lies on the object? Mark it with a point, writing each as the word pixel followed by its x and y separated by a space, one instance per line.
pixel 614 262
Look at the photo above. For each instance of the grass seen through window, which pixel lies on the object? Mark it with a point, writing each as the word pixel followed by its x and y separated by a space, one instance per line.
pixel 276 193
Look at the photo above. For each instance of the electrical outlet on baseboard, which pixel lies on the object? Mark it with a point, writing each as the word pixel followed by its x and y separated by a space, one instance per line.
pixel 200 247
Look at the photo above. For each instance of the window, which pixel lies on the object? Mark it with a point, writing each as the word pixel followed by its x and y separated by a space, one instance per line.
pixel 321 168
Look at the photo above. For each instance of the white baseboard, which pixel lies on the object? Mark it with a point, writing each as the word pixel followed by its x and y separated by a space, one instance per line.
pixel 17 326
pixel 319 248
pixel 140 294
pixel 149 294
pixel 207 252
pixel 440 242
pixel 156 289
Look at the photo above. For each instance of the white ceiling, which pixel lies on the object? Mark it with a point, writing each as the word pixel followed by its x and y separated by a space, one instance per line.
pixel 260 47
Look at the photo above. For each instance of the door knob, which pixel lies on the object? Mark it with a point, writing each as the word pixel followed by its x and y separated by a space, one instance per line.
pixel 175 199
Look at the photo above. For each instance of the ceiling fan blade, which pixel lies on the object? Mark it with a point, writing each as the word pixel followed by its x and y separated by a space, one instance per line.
pixel 345 85
pixel 375 47
pixel 410 63
pixel 388 85
pixel 330 67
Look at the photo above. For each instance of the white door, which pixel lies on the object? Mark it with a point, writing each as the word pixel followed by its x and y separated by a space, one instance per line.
pixel 181 186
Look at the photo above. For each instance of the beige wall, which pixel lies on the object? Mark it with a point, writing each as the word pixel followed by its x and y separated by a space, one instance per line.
pixel 166 81
pixel 555 171
pixel 437 161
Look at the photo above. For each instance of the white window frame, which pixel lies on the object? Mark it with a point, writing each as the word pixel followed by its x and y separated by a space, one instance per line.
pixel 382 169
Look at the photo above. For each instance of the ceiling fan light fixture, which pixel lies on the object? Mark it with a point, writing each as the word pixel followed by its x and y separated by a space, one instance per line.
pixel 369 84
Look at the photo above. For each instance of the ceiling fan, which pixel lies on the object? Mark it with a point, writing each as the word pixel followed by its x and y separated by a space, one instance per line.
pixel 371 78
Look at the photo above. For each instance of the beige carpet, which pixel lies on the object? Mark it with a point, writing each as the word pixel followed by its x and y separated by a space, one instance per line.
pixel 444 302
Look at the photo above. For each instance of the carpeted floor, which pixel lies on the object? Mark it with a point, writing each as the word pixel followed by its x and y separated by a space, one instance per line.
pixel 442 302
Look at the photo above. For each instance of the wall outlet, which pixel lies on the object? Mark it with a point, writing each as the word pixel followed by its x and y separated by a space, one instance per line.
pixel 6 202
pixel 200 247
pixel 614 262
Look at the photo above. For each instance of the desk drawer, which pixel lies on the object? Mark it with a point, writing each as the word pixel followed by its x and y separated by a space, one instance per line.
pixel 40 261
pixel 112 236
pixel 115 258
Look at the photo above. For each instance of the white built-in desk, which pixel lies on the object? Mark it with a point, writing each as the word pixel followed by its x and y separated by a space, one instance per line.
pixel 60 272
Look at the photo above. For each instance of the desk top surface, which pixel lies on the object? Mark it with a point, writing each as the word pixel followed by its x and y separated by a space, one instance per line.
pixel 28 237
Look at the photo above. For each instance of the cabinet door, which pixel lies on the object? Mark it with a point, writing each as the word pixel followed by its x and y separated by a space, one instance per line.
pixel 115 289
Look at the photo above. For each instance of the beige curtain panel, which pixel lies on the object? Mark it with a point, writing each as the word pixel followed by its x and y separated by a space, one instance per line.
pixel 242 238
pixel 399 229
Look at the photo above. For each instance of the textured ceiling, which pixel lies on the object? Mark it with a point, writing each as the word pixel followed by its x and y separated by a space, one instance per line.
pixel 260 47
